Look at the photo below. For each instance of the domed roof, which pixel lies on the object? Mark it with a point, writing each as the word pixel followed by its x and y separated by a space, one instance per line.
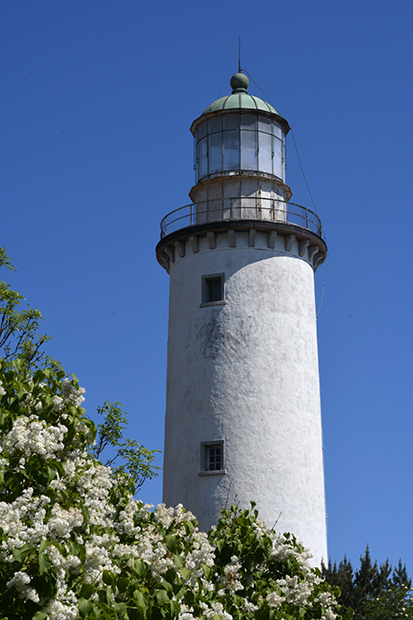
pixel 240 98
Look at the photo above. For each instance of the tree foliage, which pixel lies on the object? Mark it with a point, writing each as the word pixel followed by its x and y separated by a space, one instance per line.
pixel 136 460
pixel 20 341
pixel 374 592
pixel 19 324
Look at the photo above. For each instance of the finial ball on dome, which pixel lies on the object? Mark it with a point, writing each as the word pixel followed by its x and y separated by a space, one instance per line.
pixel 239 82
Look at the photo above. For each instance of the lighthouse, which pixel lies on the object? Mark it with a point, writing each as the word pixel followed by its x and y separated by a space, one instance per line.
pixel 243 417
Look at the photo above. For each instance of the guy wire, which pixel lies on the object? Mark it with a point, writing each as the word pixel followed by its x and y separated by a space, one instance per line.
pixel 324 287
pixel 302 172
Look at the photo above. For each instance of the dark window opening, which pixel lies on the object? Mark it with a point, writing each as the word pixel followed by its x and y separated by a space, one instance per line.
pixel 212 288
pixel 212 457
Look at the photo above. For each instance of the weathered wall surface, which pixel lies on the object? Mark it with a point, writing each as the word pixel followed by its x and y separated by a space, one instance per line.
pixel 246 372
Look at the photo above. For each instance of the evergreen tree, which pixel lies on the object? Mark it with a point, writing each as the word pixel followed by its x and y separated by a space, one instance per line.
pixel 341 576
pixel 373 592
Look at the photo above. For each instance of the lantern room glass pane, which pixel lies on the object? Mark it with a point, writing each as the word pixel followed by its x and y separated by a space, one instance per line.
pixel 249 150
pixel 215 152
pixel 264 124
pixel 215 124
pixel 231 150
pixel 277 159
pixel 231 122
pixel 265 152
pixel 276 130
pixel 202 158
pixel 248 122
pixel 202 131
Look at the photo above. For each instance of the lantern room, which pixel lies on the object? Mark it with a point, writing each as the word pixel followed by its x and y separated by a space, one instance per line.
pixel 239 134
pixel 240 158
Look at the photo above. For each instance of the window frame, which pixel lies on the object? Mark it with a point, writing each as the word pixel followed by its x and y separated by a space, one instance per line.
pixel 205 447
pixel 204 290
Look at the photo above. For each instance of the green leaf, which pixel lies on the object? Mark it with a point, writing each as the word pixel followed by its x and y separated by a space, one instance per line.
pixel 189 527
pixel 85 607
pixel 120 608
pixel 87 590
pixel 71 431
pixel 39 615
pixel 123 584
pixel 140 601
pixel 21 554
pixel 186 573
pixel 44 563
pixel 51 473
pixel 44 544
pixel 11 482
pixel 172 543
pixel 179 561
pixel 86 514
pixel 108 578
pixel 174 608
pixel 220 544
pixel 140 567
pixel 73 547
pixel 170 575
pixel 207 570
pixel 134 614
pixel 167 586
pixel 162 597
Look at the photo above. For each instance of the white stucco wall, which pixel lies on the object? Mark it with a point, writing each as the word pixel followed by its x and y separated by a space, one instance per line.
pixel 246 372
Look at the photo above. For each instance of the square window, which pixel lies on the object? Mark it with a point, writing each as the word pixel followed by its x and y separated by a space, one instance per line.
pixel 213 288
pixel 212 457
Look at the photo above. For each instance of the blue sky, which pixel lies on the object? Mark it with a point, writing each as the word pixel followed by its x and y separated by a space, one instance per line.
pixel 97 100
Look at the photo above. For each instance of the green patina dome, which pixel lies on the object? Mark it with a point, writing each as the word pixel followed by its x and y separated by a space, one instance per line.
pixel 240 99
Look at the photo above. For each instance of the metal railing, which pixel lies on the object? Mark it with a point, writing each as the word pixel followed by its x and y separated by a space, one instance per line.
pixel 241 208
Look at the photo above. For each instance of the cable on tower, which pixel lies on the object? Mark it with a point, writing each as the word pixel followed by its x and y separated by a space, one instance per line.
pixel 302 172
pixel 324 287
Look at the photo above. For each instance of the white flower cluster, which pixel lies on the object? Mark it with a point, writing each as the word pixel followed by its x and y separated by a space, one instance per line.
pixel 149 540
pixel 23 522
pixel 31 435
pixel 70 395
pixel 21 582
pixel 229 581
pixel 294 590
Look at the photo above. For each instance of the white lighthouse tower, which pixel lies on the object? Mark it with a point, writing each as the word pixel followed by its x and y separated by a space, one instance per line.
pixel 243 418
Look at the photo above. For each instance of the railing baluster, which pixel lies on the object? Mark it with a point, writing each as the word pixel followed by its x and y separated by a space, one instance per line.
pixel 278 210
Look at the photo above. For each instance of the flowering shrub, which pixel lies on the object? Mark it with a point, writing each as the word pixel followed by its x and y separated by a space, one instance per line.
pixel 74 543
